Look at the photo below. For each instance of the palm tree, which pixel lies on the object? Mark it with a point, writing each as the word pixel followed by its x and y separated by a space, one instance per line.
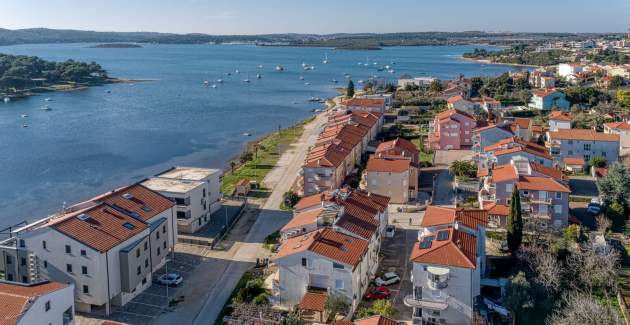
pixel 232 165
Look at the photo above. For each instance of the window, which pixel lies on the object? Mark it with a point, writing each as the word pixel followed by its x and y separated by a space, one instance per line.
pixel 138 270
pixel 559 195
pixel 157 235
pixel 22 243
pixel 146 262
pixel 24 279
pixel 23 261
pixel 509 187
pixel 338 284
pixel 604 154
pixel 587 147
pixel 587 157
pixel 146 245
pixel 86 289
pixel 164 245
pixel 68 249
pixel 43 244
pixel 557 208
pixel 570 152
pixel 138 252
pixel 9 259
pixel 83 252
pixel 69 268
pixel 203 193
pixel 45 264
pixel 163 229
pixel 84 270
pixel 159 251
pixel 128 225
pixel 570 141
pixel 47 306
pixel 9 277
pixel 144 281
pixel 304 262
pixel 338 266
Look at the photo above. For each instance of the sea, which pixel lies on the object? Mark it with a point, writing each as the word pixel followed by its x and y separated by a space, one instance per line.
pixel 101 138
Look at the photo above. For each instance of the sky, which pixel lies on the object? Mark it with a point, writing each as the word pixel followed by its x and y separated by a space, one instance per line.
pixel 221 17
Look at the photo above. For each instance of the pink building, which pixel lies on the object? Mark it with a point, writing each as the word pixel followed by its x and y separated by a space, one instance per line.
pixel 451 129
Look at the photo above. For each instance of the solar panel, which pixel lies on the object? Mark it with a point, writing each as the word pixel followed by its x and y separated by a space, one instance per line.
pixel 426 242
pixel 442 235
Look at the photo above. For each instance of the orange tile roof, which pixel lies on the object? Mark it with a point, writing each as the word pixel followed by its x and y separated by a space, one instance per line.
pixel 144 203
pixel 358 221
pixel 544 92
pixel 497 209
pixel 371 202
pixel 103 230
pixel 522 122
pixel 342 322
pixel 388 165
pixel 364 102
pixel 327 243
pixel 376 320
pixel 582 134
pixel 504 173
pixel 327 155
pixel 16 299
pixel 541 184
pixel 449 113
pixel 514 141
pixel 398 144
pixel 303 218
pixel 313 301
pixel 574 161
pixel 311 200
pixel 618 125
pixel 459 250
pixel 437 215
pixel 560 116
pixel 505 128
pixel 512 150
pixel 243 182
pixel 549 171
pixel 454 99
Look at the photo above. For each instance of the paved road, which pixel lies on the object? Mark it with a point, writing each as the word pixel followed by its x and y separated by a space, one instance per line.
pixel 270 219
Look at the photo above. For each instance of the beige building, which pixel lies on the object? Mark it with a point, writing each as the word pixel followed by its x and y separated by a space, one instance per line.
pixel 396 178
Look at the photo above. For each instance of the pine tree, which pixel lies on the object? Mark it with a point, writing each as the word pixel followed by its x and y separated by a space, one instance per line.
pixel 515 222
pixel 350 89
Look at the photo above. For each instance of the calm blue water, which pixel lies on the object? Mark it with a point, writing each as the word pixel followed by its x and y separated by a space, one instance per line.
pixel 97 139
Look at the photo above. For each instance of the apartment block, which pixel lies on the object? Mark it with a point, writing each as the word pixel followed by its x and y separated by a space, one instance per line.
pixel 36 303
pixel 583 143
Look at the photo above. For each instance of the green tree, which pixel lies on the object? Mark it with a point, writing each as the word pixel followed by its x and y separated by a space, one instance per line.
pixel 574 233
pixel 518 294
pixel 290 199
pixel 623 98
pixel 384 307
pixel 336 304
pixel 350 89
pixel 616 213
pixel 246 156
pixel 462 168
pixel 232 165
pixel 597 161
pixel 515 222
pixel 615 186
pixel 616 82
pixel 436 86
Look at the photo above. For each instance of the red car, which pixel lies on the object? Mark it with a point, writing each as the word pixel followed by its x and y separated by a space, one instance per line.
pixel 378 293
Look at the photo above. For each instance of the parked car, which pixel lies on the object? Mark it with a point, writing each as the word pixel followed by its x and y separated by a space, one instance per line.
pixel 170 279
pixel 390 231
pixel 593 209
pixel 388 278
pixel 378 293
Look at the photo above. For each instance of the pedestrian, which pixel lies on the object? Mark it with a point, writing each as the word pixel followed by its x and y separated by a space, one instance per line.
pixel 410 221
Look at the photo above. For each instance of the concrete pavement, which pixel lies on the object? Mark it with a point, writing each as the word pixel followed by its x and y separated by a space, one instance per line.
pixel 270 219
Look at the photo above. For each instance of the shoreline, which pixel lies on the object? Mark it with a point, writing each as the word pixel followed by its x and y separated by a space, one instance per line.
pixel 69 87
pixel 484 61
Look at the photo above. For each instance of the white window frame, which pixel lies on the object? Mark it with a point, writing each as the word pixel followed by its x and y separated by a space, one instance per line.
pixel 339 284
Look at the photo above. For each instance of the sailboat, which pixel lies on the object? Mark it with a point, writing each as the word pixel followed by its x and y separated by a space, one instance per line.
pixel 258 76
pixel 279 68
pixel 325 58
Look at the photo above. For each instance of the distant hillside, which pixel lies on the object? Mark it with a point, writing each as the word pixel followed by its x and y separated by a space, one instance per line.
pixel 342 41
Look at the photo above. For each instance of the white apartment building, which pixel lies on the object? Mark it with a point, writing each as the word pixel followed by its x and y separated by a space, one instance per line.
pixel 559 120
pixel 108 247
pixel 36 303
pixel 622 129
pixel 324 260
pixel 583 143
pixel 567 69
pixel 448 262
pixel 195 191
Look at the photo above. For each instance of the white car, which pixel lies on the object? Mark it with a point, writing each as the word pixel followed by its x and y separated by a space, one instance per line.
pixel 388 278
pixel 171 279
pixel 390 231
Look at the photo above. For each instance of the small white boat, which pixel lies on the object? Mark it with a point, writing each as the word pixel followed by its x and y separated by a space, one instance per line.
pixel 260 66
pixel 301 77
pixel 236 71
pixel 307 83
pixel 325 58
pixel 258 76
pixel 24 115
pixel 46 108
pixel 50 99
pixel 391 71
pixel 304 65
pixel 247 134
pixel 205 82
pixel 279 68
pixel 24 125
pixel 387 67
pixel 228 74
pixel 7 99
pixel 306 68
pixel 311 67
pixel 361 81
pixel 335 81
pixel 347 77
pixel 214 86
pixel 220 81
pixel 246 80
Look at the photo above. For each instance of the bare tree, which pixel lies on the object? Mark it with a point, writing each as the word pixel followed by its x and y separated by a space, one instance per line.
pixel 594 268
pixel 603 223
pixel 578 308
pixel 545 265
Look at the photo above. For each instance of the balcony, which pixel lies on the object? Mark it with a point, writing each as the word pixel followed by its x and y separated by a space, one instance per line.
pixel 533 200
pixel 552 144
pixel 425 303
pixel 438 277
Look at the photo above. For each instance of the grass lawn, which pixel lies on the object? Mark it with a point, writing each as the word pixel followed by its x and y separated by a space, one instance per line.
pixel 424 156
pixel 227 308
pixel 270 149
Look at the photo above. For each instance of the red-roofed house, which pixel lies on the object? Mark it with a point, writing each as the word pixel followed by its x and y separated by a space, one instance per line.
pixel 36 303
pixel 448 262
pixel 394 177
pixel 459 103
pixel 622 129
pixel 365 104
pixel 586 143
pixel 559 120
pixel 451 129
pixel 544 191
pixel 108 246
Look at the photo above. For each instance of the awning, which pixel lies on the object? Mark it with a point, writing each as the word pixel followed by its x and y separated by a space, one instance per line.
pixel 438 270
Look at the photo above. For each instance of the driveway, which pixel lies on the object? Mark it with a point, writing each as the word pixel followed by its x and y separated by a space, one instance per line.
pixel 583 186
pixel 446 157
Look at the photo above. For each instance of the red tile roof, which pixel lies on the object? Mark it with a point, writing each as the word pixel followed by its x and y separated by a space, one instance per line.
pixel 459 250
pixel 103 229
pixel 303 218
pixel 311 200
pixel 512 150
pixel 388 165
pixel 398 145
pixel 16 299
pixel 549 171
pixel 376 320
pixel 544 92
pixel 619 125
pixel 454 99
pixel 541 184
pixel 450 113
pixel 313 301
pixel 326 155
pixel 514 141
pixel 437 215
pixel 582 134
pixel 497 209
pixel 504 173
pixel 327 243
pixel 574 161
pixel 560 116
pixel 358 221
pixel 143 202
pixel 522 122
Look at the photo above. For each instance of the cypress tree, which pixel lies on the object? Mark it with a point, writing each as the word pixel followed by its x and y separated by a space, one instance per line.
pixel 515 222
pixel 350 89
